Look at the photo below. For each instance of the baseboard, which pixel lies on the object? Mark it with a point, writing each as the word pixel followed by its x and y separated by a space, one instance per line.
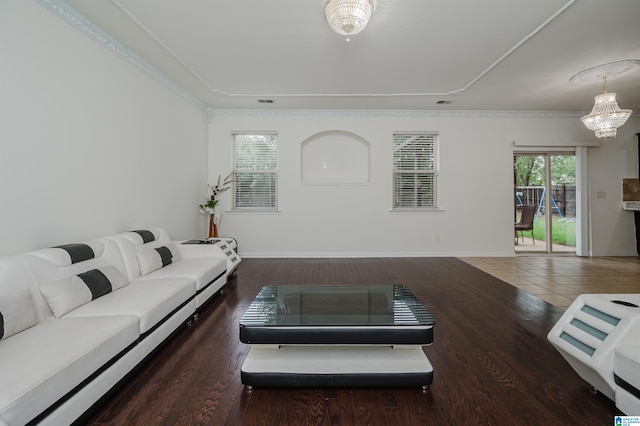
pixel 348 255
pixel 631 253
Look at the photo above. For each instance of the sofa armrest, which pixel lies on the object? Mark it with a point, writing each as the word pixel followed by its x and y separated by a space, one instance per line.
pixel 189 251
pixel 219 249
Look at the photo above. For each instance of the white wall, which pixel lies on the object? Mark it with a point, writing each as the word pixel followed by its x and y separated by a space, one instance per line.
pixel 613 230
pixel 89 145
pixel 476 186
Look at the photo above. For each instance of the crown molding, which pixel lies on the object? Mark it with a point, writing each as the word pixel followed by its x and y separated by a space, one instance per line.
pixel 88 28
pixel 393 113
pixel 211 114
pixel 554 143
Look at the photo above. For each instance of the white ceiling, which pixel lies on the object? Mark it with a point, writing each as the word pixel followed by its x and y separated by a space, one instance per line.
pixel 481 55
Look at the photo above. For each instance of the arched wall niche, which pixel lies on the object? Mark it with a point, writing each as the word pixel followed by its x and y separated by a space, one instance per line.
pixel 335 157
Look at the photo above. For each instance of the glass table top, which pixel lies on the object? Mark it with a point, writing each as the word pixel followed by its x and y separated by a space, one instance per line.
pixel 336 305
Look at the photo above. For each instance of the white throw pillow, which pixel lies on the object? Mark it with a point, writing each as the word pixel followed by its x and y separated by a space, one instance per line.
pixel 67 294
pixel 114 276
pixel 16 313
pixel 174 251
pixel 151 259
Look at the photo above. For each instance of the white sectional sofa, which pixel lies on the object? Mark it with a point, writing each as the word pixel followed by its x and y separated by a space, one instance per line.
pixel 599 336
pixel 76 320
pixel 626 370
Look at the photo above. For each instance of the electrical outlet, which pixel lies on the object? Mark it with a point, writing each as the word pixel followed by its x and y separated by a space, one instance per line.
pixel 601 194
pixel 324 165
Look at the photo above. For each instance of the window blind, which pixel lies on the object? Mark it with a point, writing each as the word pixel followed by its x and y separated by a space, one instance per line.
pixel 255 170
pixel 415 171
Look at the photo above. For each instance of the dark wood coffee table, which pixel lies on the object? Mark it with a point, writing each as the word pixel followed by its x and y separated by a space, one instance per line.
pixel 336 335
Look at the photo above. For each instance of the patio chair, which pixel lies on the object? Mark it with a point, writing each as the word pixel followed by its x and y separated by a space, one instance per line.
pixel 526 222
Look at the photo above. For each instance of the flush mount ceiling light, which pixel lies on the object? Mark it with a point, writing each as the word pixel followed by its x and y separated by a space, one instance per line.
pixel 606 116
pixel 348 17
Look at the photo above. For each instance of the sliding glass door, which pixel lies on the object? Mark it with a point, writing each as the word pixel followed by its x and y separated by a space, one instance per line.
pixel 545 182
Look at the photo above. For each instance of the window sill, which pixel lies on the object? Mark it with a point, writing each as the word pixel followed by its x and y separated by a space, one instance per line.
pixel 417 210
pixel 250 211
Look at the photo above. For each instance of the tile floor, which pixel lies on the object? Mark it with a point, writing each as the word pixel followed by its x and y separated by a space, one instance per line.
pixel 559 279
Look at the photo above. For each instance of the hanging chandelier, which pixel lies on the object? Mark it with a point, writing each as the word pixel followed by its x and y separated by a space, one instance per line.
pixel 348 17
pixel 606 116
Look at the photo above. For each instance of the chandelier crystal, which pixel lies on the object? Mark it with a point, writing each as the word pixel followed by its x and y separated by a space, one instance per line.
pixel 606 116
pixel 348 17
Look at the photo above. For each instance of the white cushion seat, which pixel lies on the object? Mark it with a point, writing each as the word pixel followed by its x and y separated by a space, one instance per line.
pixel 44 362
pixel 202 270
pixel 150 300
pixel 626 366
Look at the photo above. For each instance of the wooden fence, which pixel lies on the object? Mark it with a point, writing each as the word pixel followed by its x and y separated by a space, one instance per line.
pixel 563 195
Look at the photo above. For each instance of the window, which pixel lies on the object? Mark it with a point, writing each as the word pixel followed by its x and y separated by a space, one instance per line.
pixel 415 171
pixel 255 170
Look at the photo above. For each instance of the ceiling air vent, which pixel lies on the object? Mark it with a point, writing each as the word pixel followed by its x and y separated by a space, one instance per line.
pixel 444 102
pixel 266 101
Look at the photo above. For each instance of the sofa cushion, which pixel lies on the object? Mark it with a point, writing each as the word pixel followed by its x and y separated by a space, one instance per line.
pixel 16 313
pixel 142 237
pixel 155 258
pixel 202 270
pixel 78 252
pixel 43 363
pixel 152 301
pixel 146 235
pixel 69 254
pixel 69 293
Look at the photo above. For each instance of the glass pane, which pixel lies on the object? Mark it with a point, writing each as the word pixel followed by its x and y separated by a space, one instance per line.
pixel 255 170
pixel 255 152
pixel 390 305
pixel 529 177
pixel 554 199
pixel 414 152
pixel 255 189
pixel 414 190
pixel 563 203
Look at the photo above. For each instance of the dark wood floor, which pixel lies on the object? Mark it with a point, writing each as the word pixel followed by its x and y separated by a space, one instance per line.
pixel 492 362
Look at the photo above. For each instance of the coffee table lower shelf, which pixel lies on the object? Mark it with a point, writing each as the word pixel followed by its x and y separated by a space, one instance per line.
pixel 336 366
